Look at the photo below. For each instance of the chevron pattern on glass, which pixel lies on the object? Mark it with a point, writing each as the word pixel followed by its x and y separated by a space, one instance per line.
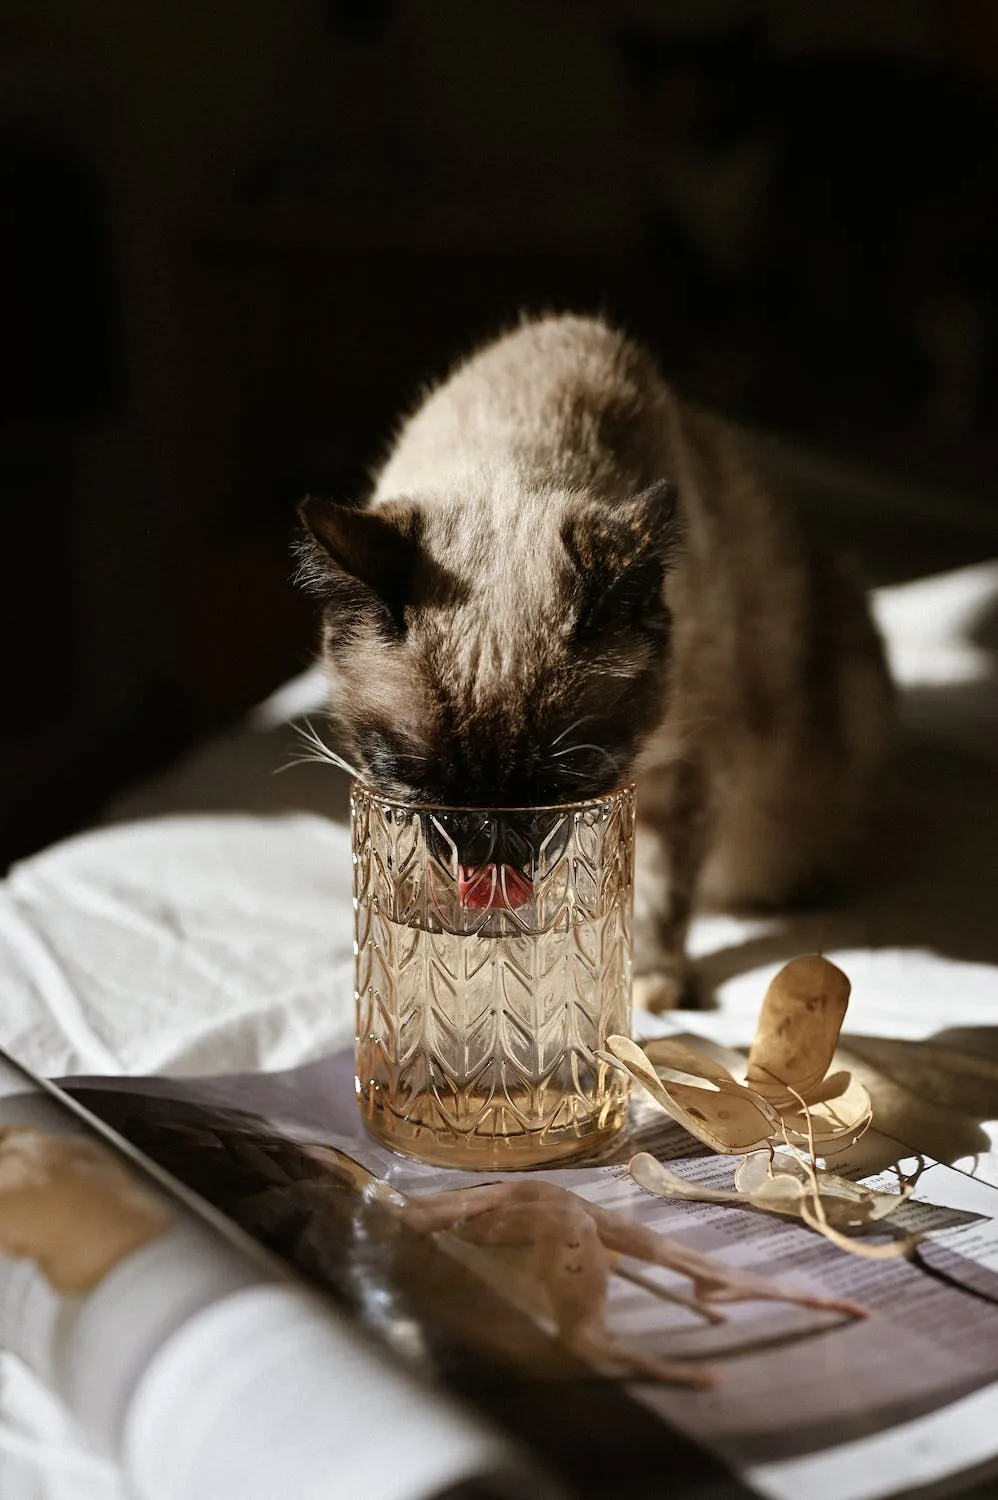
pixel 488 981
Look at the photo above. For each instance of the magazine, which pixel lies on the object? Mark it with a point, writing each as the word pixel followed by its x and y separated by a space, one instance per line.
pixel 800 1396
pixel 191 1355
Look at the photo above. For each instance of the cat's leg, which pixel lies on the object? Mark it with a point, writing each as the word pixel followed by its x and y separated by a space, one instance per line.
pixel 672 837
pixel 798 799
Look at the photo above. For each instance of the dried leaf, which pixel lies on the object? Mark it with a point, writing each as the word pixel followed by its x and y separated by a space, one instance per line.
pixel 834 1123
pixel 798 1030
pixel 755 1172
pixel 832 1087
pixel 848 1204
pixel 781 1185
pixel 788 1094
pixel 891 1250
pixel 730 1120
pixel 815 1216
pixel 649 1173
pixel 665 1052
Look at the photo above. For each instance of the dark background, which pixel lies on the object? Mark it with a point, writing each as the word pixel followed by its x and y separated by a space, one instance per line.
pixel 236 237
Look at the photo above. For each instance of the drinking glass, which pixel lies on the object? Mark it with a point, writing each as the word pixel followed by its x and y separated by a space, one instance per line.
pixel 493 959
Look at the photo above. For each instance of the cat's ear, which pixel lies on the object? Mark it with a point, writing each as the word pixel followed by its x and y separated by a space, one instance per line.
pixel 620 556
pixel 359 559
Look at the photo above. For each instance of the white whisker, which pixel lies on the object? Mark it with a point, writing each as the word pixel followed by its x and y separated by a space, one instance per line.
pixel 574 725
pixel 316 749
pixel 614 760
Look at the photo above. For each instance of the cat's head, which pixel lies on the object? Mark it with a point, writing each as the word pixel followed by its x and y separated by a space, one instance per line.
pixel 494 651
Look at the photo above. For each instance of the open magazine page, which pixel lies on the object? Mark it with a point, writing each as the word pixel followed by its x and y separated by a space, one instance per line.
pixel 188 1354
pixel 807 1399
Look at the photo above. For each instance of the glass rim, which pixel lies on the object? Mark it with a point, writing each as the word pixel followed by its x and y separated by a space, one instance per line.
pixel 626 789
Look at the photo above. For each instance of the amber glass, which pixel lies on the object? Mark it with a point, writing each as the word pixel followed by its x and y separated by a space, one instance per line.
pixel 493 959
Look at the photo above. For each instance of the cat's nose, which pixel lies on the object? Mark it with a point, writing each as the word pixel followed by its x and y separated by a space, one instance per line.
pixel 493 859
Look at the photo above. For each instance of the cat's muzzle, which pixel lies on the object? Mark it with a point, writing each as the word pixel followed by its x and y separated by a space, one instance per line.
pixel 494 861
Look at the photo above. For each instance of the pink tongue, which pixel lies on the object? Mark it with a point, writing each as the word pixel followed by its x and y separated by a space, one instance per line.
pixel 492 887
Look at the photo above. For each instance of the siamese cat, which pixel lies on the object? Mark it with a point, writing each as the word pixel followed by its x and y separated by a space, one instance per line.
pixel 566 579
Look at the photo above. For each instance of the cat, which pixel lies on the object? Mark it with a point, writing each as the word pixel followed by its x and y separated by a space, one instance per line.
pixel 564 579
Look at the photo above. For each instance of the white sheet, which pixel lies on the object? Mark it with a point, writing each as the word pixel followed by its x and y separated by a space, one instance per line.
pixel 207 928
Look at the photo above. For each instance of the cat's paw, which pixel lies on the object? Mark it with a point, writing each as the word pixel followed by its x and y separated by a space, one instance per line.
pixel 666 989
pixel 655 992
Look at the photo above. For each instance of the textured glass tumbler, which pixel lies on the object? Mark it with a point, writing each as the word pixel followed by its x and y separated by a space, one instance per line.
pixel 493 959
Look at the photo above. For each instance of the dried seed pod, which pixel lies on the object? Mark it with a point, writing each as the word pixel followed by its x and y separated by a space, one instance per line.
pixel 798 1029
pixel 781 1183
pixel 727 1119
